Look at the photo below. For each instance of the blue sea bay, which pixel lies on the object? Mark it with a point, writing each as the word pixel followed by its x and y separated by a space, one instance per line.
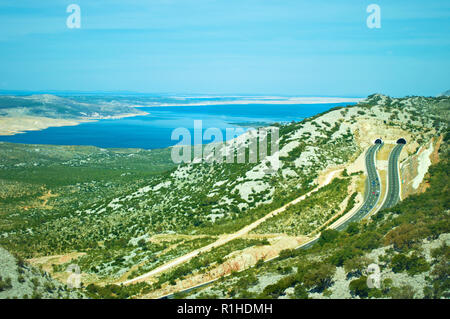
pixel 154 130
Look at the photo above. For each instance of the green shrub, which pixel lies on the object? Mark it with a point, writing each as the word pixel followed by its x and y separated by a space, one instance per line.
pixel 300 292
pixel 339 257
pixel 368 240
pixel 287 253
pixel 403 292
pixel 358 287
pixel 328 236
pixel 318 276
pixel 405 235
pixel 275 290
pixel 413 265
pixel 440 280
pixel 356 264
pixel 352 228
pixel 5 284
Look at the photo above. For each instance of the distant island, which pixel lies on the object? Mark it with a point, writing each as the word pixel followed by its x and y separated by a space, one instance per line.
pixel 37 112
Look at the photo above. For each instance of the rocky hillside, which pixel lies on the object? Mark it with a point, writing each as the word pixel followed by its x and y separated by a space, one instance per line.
pixel 130 227
pixel 409 244
pixel 19 280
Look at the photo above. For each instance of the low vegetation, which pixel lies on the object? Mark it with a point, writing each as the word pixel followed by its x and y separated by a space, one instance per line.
pixel 112 205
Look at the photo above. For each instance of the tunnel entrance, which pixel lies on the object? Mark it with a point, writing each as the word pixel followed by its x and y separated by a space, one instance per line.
pixel 379 141
pixel 401 141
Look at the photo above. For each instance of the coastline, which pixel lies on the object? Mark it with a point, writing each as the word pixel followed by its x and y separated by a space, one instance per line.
pixel 18 125
pixel 275 101
pixel 12 125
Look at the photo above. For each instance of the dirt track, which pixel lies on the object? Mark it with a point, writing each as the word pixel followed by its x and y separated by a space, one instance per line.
pixel 227 238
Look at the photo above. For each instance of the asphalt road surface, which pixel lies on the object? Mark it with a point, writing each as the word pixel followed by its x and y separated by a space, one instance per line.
pixel 393 192
pixel 372 196
pixel 372 193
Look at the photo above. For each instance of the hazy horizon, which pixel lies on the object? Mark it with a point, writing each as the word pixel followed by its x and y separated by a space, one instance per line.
pixel 175 94
pixel 291 48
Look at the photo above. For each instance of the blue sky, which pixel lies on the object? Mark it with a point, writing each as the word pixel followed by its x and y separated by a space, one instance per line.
pixel 286 47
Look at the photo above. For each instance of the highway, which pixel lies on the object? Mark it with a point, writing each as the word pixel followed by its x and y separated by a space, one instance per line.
pixel 372 192
pixel 372 196
pixel 393 181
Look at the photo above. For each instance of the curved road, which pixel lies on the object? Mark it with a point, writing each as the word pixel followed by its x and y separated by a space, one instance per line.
pixel 372 193
pixel 372 197
pixel 393 189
